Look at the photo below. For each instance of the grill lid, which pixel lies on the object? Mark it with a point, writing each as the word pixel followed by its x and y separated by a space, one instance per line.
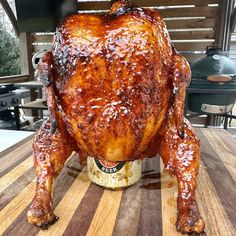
pixel 6 88
pixel 214 70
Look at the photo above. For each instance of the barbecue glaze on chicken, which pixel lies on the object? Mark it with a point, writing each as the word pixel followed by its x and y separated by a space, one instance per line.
pixel 115 90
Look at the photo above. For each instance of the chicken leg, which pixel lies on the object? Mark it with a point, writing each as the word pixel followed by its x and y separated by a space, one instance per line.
pixel 180 156
pixel 50 153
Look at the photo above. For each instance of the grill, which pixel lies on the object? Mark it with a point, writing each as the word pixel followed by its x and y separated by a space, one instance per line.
pixel 214 73
pixel 10 97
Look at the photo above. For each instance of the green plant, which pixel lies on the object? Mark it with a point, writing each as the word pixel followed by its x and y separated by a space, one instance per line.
pixel 9 54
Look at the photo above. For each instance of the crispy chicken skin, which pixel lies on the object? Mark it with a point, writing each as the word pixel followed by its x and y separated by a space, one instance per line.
pixel 115 91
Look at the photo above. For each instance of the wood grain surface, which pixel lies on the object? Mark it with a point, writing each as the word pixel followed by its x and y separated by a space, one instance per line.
pixel 146 208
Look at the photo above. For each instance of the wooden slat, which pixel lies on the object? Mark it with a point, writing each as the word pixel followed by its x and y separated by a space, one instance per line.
pixel 141 204
pixel 15 173
pixel 223 183
pixel 105 5
pixel 227 139
pixel 192 46
pixel 189 12
pixel 14 78
pixel 16 145
pixel 83 216
pixel 147 3
pixel 42 38
pixel 233 57
pixel 226 155
pixel 16 156
pixel 94 5
pixel 150 219
pixel 170 12
pixel 130 209
pixel 178 35
pixel 210 206
pixel 192 57
pixel 191 23
pixel 25 51
pixel 16 206
pixel 169 195
pixel 41 48
pixel 69 204
pixel 104 219
pixel 16 187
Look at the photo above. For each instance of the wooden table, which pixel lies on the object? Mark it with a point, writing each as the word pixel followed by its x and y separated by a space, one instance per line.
pixel 39 104
pixel 147 208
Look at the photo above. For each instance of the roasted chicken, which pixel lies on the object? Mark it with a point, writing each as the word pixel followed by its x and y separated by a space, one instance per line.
pixel 115 91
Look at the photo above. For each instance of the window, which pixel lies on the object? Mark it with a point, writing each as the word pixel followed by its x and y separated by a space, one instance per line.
pixel 9 45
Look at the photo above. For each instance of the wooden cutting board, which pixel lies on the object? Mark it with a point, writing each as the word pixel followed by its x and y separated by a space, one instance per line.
pixel 147 208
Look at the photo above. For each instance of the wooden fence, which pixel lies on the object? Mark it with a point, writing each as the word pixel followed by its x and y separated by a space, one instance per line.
pixel 192 24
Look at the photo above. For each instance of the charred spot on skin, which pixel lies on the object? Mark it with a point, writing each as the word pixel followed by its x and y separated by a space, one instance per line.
pixel 53 126
pixel 169 168
pixel 122 10
pixel 182 134
pixel 122 95
pixel 84 136
pixel 46 79
pixel 90 117
pixel 80 126
pixel 46 225
pixel 79 91
pixel 175 90
pixel 96 68
pixel 191 222
pixel 83 59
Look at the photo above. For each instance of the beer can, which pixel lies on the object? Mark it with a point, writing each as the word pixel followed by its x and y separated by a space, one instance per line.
pixel 113 175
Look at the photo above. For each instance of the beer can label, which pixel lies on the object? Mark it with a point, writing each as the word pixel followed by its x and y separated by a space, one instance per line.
pixel 109 167
pixel 114 175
